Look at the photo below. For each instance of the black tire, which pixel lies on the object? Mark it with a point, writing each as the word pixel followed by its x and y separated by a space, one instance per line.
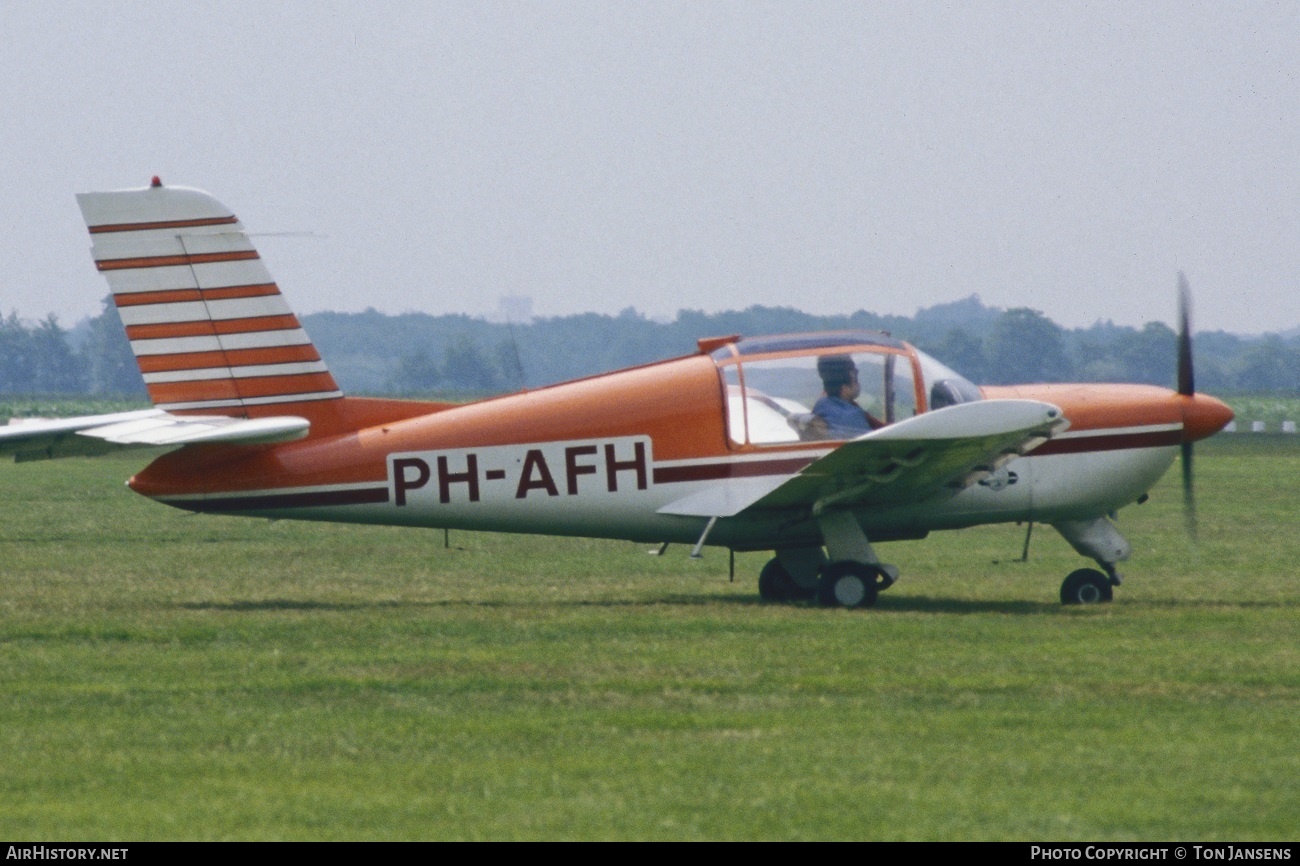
pixel 1086 586
pixel 804 593
pixel 849 584
pixel 775 583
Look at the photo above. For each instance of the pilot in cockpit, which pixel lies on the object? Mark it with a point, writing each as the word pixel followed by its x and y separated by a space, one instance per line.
pixel 837 409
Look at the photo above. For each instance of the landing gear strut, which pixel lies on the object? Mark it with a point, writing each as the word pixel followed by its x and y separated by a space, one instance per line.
pixel 1099 539
pixel 852 577
pixel 855 575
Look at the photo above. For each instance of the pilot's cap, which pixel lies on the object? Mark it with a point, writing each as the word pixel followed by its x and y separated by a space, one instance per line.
pixel 836 371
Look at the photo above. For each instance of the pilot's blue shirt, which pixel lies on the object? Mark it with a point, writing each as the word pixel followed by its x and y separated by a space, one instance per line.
pixel 844 420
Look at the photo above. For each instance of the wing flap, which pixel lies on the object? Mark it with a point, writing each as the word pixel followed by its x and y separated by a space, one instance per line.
pixel 91 435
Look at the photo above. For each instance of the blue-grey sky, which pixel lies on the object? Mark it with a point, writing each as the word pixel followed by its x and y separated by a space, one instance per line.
pixel 1069 157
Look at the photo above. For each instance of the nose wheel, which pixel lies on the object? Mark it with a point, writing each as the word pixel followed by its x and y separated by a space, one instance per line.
pixel 1086 586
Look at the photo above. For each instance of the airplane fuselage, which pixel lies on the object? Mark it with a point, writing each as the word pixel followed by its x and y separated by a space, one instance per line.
pixel 600 457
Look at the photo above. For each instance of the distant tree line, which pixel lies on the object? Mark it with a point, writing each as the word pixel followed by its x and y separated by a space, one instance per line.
pixel 417 354
pixel 45 358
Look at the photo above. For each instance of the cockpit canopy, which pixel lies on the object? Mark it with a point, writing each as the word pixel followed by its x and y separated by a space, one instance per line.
pixel 835 385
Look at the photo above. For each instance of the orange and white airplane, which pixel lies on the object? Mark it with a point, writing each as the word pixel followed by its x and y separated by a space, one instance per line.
pixel 813 446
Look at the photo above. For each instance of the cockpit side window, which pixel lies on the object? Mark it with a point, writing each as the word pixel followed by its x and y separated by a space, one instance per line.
pixel 810 397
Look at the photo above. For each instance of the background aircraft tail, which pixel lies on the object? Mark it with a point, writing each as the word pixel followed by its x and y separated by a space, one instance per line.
pixel 207 324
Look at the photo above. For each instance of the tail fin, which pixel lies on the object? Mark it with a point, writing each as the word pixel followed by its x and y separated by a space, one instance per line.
pixel 207 324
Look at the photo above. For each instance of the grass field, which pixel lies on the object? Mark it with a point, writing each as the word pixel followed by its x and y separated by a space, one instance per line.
pixel 164 676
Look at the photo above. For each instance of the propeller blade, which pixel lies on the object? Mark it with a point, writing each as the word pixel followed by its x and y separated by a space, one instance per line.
pixel 1186 380
pixel 1187 388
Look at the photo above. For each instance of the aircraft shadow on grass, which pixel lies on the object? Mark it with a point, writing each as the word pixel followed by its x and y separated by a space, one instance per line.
pixel 286 604
pixel 898 603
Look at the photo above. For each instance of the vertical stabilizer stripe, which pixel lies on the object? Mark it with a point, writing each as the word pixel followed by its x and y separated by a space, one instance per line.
pixel 172 296
pixel 223 389
pixel 213 343
pixel 241 372
pixel 232 358
pixel 173 261
pixel 109 228
pixel 168 330
pixel 205 310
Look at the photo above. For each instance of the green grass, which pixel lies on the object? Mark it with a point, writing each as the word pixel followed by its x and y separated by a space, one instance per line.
pixel 63 405
pixel 164 676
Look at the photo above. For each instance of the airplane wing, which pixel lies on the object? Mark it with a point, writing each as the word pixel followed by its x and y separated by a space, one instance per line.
pixel 948 448
pixel 89 435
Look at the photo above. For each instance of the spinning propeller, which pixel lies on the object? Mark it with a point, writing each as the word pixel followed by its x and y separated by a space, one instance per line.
pixel 1187 388
pixel 1203 415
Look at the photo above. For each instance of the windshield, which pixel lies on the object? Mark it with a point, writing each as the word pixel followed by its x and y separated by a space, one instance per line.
pixel 943 386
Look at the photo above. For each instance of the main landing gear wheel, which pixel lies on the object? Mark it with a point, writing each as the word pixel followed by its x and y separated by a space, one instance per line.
pixel 1086 586
pixel 850 584
pixel 776 584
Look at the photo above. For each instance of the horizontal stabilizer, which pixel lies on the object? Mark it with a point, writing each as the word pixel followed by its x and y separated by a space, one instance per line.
pixel 89 435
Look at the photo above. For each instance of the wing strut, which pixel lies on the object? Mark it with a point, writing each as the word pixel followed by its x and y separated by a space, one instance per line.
pixel 699 545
